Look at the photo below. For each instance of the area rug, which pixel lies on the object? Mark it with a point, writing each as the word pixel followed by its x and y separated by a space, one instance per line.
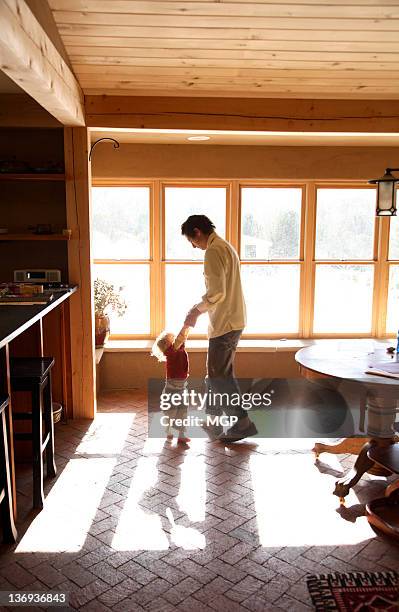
pixel 355 591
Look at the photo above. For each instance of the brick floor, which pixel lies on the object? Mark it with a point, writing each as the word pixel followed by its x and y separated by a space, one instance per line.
pixel 133 524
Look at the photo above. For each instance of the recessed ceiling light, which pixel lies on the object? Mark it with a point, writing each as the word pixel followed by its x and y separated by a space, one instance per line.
pixel 199 138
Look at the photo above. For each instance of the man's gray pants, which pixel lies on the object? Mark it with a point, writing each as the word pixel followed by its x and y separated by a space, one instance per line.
pixel 220 376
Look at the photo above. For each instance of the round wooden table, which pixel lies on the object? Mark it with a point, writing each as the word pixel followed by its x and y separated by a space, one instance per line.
pixel 330 366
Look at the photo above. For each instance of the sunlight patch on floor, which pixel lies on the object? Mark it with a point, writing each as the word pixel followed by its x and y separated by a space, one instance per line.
pixel 286 444
pixel 107 434
pixel 187 538
pixel 295 505
pixel 192 493
pixel 72 503
pixel 69 508
pixel 140 528
pixel 153 446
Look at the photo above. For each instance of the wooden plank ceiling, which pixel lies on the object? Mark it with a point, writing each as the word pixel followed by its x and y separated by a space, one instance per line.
pixel 286 48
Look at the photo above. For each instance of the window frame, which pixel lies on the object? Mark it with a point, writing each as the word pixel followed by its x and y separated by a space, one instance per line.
pixel 152 245
pixel 300 261
pixel 386 263
pixel 307 262
pixel 372 262
pixel 164 261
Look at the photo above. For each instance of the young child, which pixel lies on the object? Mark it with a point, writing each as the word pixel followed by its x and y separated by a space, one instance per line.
pixel 172 349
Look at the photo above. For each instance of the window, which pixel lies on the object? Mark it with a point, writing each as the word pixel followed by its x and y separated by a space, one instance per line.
pixel 272 298
pixel 184 286
pixel 184 283
pixel 180 203
pixel 121 246
pixel 271 233
pixel 343 298
pixel 334 275
pixel 121 223
pixel 345 224
pixel 392 320
pixel 344 251
pixel 392 324
pixel 270 223
pixel 394 238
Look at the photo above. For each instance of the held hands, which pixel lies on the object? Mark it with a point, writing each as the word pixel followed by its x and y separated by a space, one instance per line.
pixel 191 317
pixel 181 337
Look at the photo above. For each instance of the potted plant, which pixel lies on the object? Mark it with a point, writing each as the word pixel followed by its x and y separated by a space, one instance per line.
pixel 106 298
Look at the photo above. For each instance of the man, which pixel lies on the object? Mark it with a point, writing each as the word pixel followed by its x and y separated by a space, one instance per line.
pixel 224 302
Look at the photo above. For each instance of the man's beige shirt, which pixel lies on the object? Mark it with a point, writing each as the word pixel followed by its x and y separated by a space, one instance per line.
pixel 224 299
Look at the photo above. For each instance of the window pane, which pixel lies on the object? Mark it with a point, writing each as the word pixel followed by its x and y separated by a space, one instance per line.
pixel 121 222
pixel 394 236
pixel 345 223
pixel 343 298
pixel 184 287
pixel 272 297
pixel 392 324
pixel 270 223
pixel 134 281
pixel 180 203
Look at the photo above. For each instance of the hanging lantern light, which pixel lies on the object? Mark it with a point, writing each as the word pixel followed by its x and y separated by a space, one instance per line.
pixel 386 193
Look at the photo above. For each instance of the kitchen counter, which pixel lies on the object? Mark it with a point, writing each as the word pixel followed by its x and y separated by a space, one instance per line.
pixel 36 330
pixel 15 319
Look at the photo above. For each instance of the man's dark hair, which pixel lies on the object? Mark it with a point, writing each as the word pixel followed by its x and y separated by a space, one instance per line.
pixel 200 222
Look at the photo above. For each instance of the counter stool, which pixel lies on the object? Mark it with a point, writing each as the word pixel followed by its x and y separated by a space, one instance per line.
pixel 7 514
pixel 33 374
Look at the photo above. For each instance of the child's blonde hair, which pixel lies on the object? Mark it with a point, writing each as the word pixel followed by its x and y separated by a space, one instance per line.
pixel 160 345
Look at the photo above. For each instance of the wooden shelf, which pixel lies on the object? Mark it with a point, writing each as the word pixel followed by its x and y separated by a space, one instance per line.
pixel 10 237
pixel 31 177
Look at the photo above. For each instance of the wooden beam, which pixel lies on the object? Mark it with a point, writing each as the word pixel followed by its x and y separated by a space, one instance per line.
pixel 44 15
pixel 332 93
pixel 242 114
pixel 29 58
pixel 78 199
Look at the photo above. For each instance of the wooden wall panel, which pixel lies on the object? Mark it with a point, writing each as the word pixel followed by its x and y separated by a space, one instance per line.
pixel 224 162
pixel 78 181
pixel 242 114
pixel 132 370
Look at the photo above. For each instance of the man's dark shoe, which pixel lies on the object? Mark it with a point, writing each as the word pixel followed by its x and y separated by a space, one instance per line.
pixel 213 431
pixel 234 434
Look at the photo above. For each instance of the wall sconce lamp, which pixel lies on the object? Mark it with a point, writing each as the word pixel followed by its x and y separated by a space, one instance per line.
pixel 386 193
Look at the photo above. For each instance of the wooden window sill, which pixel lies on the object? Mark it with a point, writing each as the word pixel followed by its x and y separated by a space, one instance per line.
pixel 245 346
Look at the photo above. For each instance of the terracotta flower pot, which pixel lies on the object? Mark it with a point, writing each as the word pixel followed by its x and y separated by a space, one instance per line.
pixel 102 328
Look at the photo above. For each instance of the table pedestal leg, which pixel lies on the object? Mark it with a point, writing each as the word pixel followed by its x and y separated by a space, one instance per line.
pixel 363 464
pixel 381 420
